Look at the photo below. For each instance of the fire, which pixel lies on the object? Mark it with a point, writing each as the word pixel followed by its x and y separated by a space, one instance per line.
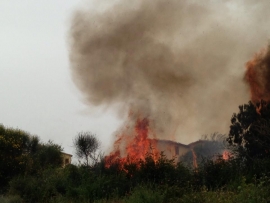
pixel 195 165
pixel 133 148
pixel 257 76
pixel 226 155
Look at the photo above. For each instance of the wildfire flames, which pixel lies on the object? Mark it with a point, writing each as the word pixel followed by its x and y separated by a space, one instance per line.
pixel 226 155
pixel 133 148
pixel 166 59
pixel 257 76
pixel 194 158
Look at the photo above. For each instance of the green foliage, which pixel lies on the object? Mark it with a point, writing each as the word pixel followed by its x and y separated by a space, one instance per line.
pixel 48 184
pixel 14 147
pixel 46 155
pixel 88 185
pixel 217 173
pixel 250 128
pixel 244 193
pixel 22 153
pixel 74 183
pixel 11 199
pixel 146 195
pixel 153 171
pixel 154 181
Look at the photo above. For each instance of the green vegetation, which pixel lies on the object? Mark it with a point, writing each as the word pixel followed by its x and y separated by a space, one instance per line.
pixel 250 129
pixel 22 154
pixel 31 171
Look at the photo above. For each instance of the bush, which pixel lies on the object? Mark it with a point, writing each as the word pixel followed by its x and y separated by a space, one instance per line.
pixel 217 173
pixel 11 199
pixel 22 153
pixel 46 186
pixel 47 155
pixel 13 154
pixel 161 180
pixel 146 195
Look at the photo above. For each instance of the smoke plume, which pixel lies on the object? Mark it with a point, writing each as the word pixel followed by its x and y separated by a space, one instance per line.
pixel 178 63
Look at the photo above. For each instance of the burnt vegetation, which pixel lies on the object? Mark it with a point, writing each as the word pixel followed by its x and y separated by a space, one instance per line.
pixel 31 171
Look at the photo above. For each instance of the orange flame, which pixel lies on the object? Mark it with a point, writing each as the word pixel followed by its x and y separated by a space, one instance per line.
pixel 195 165
pixel 226 155
pixel 257 76
pixel 137 147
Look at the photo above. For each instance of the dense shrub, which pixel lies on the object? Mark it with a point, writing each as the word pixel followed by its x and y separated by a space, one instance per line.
pixel 250 128
pixel 15 145
pixel 216 173
pixel 22 153
pixel 45 186
pixel 47 155
pixel 162 180
pixel 146 195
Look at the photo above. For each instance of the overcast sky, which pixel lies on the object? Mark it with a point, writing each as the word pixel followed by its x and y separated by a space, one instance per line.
pixel 37 93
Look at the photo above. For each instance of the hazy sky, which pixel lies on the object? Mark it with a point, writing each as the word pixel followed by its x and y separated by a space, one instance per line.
pixel 37 93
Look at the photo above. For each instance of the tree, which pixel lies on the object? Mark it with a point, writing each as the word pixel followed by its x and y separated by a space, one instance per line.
pixel 22 153
pixel 86 145
pixel 47 155
pixel 15 146
pixel 250 129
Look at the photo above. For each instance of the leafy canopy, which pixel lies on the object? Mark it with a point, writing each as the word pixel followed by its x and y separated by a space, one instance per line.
pixel 250 129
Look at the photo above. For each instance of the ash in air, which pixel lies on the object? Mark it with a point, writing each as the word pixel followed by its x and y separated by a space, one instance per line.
pixel 177 63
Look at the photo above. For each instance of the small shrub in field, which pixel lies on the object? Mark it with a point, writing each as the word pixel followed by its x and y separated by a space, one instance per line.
pixel 11 199
pixel 146 195
pixel 216 174
pixel 44 187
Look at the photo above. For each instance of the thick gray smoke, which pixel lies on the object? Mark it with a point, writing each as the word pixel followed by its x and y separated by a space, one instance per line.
pixel 178 63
